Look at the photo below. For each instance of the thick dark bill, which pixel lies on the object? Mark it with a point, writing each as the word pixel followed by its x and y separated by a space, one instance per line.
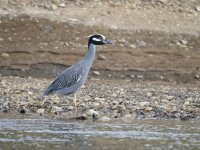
pixel 107 41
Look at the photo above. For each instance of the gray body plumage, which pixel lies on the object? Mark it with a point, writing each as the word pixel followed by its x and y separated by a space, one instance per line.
pixel 72 78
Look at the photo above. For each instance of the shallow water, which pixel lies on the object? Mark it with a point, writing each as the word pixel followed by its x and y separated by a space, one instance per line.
pixel 40 133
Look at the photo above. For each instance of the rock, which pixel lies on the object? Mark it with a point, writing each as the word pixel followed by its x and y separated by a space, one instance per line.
pixel 56 109
pixel 169 97
pixel 149 94
pixel 140 76
pixel 143 104
pixel 47 29
pixel 5 54
pixel 1 39
pixel 187 103
pixel 54 7
pixel 148 109
pixel 47 104
pixel 197 8
pixel 96 73
pixel 116 114
pixel 101 57
pixel 162 1
pixel 9 39
pixel 115 102
pixel 183 42
pixel 141 43
pixel 99 99
pixel 23 110
pixel 81 117
pixel 196 76
pixel 40 111
pixel 92 112
pixel 62 5
pixel 127 116
pixel 105 119
pixel 132 46
pixel 70 108
pixel 185 117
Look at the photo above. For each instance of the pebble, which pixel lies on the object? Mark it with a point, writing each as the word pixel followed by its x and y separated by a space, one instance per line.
pixel 56 109
pixel 132 46
pixel 5 54
pixel 141 43
pixel 196 76
pixel 99 99
pixel 1 39
pixel 92 112
pixel 96 73
pixel 105 119
pixel 143 104
pixel 197 8
pixel 62 5
pixel 101 57
pixel 23 110
pixel 149 94
pixel 163 1
pixel 183 42
pixel 127 116
pixel 54 7
pixel 40 111
pixel 70 108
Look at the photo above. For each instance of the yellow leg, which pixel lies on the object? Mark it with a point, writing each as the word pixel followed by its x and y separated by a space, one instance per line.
pixel 74 101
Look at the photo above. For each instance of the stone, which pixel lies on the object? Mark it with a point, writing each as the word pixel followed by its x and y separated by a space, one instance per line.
pixel 196 76
pixel 105 119
pixel 62 5
pixel 162 1
pixel 149 94
pixel 70 108
pixel 141 43
pixel 5 54
pixel 92 112
pixel 96 73
pixel 140 76
pixel 187 103
pixel 127 116
pixel 40 111
pixel 183 42
pixel 1 39
pixel 23 110
pixel 132 46
pixel 197 8
pixel 54 7
pixel 56 109
pixel 101 57
pixel 148 109
pixel 143 104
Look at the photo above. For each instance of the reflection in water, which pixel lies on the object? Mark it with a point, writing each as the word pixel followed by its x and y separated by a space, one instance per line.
pixel 140 134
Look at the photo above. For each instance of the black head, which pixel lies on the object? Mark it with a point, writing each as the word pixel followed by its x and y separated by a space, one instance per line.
pixel 98 39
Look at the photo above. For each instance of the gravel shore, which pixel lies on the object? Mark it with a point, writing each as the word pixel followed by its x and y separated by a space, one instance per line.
pixel 102 100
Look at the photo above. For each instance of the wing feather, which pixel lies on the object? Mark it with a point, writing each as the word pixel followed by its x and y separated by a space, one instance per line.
pixel 66 79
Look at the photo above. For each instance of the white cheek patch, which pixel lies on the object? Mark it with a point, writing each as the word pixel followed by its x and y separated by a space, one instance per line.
pixel 95 39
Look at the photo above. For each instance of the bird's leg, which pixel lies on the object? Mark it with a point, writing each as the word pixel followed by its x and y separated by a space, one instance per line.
pixel 74 101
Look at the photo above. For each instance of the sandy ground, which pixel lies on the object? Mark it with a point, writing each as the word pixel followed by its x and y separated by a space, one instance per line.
pixel 154 41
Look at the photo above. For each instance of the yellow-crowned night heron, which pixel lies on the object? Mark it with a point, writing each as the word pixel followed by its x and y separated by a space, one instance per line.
pixel 72 78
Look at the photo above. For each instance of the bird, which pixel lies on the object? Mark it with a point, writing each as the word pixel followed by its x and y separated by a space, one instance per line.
pixel 73 78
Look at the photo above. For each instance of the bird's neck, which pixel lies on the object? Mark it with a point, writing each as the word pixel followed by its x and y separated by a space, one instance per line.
pixel 89 56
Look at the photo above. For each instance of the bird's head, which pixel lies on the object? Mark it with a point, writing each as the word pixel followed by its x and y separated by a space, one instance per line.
pixel 98 39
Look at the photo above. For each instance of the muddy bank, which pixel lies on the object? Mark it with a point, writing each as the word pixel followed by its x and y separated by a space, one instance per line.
pixel 155 40
pixel 102 100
